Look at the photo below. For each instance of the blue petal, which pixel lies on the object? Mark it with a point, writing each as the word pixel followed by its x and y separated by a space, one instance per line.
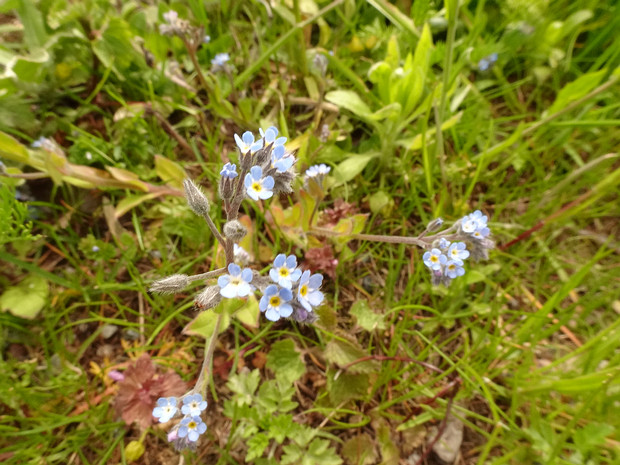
pixel 271 290
pixel 234 269
pixel 256 172
pixel 268 183
pixel 286 294
pixel 280 260
pixel 286 310
pixel 247 275
pixel 248 138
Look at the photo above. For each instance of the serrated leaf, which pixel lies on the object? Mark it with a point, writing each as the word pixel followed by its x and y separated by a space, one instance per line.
pixel 285 362
pixel 170 172
pixel 256 446
pixel 349 100
pixel 27 298
pixel 366 318
pixel 244 386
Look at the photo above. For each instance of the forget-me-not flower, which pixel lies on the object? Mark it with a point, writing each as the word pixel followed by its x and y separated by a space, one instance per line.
pixel 279 161
pixel 220 59
pixel 434 259
pixel 474 222
pixel 275 303
pixel 166 409
pixel 192 428
pixel 487 62
pixel 256 186
pixel 285 271
pixel 236 283
pixel 318 170
pixel 229 171
pixel 308 293
pixel 458 252
pixel 271 136
pixel 454 269
pixel 170 16
pixel 246 143
pixel 193 405
pixel 443 243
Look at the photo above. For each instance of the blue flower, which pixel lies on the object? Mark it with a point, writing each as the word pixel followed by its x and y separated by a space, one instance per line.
pixel 474 222
pixel 193 405
pixel 206 39
pixel 279 161
pixel 274 303
pixel 458 252
pixel 271 136
pixel 166 409
pixel 256 186
pixel 308 293
pixel 454 269
pixel 487 62
pixel 285 271
pixel 229 171
pixel 434 259
pixel 220 59
pixel 192 427
pixel 481 233
pixel 236 283
pixel 318 170
pixel 246 143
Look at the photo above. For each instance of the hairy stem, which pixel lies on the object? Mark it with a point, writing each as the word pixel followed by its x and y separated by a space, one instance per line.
pixel 201 384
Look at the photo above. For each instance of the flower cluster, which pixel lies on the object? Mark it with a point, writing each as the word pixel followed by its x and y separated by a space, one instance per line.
pixel 316 173
pixel 447 251
pixel 446 260
pixel 185 434
pixel 295 293
pixel 173 24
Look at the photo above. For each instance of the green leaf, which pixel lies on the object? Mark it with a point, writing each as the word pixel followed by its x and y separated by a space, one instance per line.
pixel 12 150
pixel 204 324
pixel 360 449
pixel 346 386
pixel 285 362
pixel 342 353
pixel 380 202
pixel 169 171
pixel 366 318
pixel 352 166
pixel 576 89
pixel 132 201
pixel 349 100
pixel 249 312
pixel 34 26
pixel 244 386
pixel 256 446
pixel 27 298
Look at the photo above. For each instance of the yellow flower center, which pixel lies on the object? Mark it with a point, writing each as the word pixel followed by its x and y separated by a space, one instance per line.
pixel 191 425
pixel 284 272
pixel 274 301
pixel 257 186
pixel 303 290
pixel 434 258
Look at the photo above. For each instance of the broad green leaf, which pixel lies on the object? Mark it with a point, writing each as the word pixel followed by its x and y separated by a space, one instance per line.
pixel 341 353
pixel 12 150
pixel 249 312
pixel 30 68
pixel 380 202
pixel 576 90
pixel 392 55
pixel 352 166
pixel 34 25
pixel 349 100
pixel 346 386
pixel 26 299
pixel 204 324
pixel 360 449
pixel 366 318
pixel 131 180
pixel 169 171
pixel 132 201
pixel 285 362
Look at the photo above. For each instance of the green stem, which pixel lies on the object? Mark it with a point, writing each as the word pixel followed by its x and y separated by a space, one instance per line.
pixel 201 384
